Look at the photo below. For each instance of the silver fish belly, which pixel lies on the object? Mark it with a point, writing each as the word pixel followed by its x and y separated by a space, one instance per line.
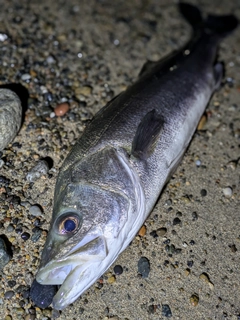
pixel 114 174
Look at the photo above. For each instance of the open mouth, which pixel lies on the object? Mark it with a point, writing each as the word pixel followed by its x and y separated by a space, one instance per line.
pixel 56 271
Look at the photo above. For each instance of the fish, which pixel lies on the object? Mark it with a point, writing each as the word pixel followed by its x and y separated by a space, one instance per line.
pixel 112 178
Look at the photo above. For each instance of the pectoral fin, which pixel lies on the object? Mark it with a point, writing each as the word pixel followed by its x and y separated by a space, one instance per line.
pixel 147 67
pixel 147 135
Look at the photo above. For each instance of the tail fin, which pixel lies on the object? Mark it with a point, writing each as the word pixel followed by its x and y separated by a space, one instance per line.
pixel 219 25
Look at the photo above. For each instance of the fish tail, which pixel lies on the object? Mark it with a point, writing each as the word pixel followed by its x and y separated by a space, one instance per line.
pixel 217 25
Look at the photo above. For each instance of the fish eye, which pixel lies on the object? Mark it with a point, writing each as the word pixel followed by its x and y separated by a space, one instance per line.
pixel 68 224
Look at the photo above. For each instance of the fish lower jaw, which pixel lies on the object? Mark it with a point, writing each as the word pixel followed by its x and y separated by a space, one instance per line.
pixel 54 277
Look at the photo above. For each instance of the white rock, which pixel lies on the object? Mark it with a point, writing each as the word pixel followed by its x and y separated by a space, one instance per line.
pixel 10 116
pixel 227 192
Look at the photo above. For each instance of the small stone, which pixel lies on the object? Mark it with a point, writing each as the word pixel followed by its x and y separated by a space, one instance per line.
pixel 10 228
pixel 25 236
pixel 166 311
pixel 176 221
pixel 203 192
pixel 233 248
pixel 37 232
pixel 187 272
pixel 9 294
pixel 190 263
pixel 26 77
pixel 1 163
pixel 42 295
pixel 85 91
pixel 19 311
pixel 41 168
pixel 11 283
pixel 55 314
pixel 205 278
pixel 162 231
pixel 111 279
pixel 61 109
pixel 194 216
pixel 227 192
pixel 10 116
pixel 35 211
pixel 3 37
pixel 4 254
pixel 118 269
pixel 202 122
pixel 142 231
pixel 144 267
pixel 154 234
pixel 8 317
pixel 198 163
pixel 194 299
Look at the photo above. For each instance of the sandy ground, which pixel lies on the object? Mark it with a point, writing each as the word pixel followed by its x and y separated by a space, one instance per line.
pixel 85 52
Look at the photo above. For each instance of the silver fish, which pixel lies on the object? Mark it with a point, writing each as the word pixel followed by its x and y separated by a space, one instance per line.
pixel 112 178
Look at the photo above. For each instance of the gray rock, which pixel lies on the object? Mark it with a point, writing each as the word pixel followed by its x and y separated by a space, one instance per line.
pixel 10 116
pixel 4 255
pixel 36 172
pixel 166 311
pixel 144 267
pixel 35 211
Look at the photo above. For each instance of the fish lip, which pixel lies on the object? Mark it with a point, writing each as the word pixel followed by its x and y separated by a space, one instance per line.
pixel 93 249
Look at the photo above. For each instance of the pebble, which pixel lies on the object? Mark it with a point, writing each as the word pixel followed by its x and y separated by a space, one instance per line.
pixel 10 228
pixel 166 311
pixel 11 283
pixel 194 299
pixel 35 211
pixel 118 269
pixel 4 255
pixel 9 294
pixel 41 168
pixel 85 91
pixel 194 216
pixel 142 231
pixel 8 317
pixel 177 221
pixel 37 232
pixel 61 109
pixel 144 267
pixel 227 192
pixel 111 279
pixel 202 122
pixel 190 263
pixel 25 236
pixel 154 234
pixel 26 77
pixel 1 163
pixel 203 192
pixel 55 314
pixel 42 295
pixel 205 278
pixel 198 163
pixel 3 37
pixel 162 231
pixel 10 116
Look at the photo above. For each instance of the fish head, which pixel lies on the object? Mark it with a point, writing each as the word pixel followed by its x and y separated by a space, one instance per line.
pixel 86 221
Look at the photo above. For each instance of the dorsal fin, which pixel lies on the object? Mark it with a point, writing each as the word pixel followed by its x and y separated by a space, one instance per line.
pixel 147 135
